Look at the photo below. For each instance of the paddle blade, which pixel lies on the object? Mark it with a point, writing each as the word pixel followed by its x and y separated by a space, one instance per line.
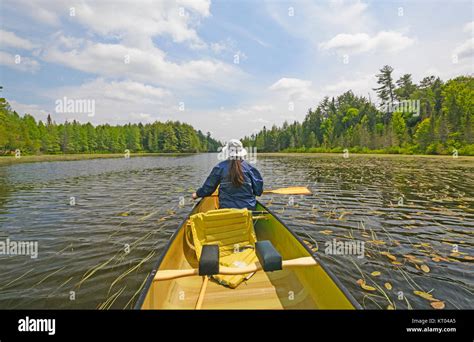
pixel 295 190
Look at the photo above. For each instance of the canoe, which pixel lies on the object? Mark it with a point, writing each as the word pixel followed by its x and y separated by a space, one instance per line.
pixel 311 287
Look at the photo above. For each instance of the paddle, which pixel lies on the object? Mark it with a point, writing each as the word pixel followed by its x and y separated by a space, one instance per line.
pixel 293 190
pixel 205 281
pixel 174 274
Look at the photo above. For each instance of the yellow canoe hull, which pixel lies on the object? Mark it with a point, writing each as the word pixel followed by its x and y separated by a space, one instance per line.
pixel 313 287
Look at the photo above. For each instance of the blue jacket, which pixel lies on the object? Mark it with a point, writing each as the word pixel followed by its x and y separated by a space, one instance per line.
pixel 229 195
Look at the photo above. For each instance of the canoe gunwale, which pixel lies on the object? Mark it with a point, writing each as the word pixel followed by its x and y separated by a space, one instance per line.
pixel 333 277
pixel 151 276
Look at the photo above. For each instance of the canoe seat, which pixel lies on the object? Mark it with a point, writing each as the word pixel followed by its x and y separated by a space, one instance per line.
pixel 232 230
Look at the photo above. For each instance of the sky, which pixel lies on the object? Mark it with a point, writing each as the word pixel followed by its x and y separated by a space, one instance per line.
pixel 226 67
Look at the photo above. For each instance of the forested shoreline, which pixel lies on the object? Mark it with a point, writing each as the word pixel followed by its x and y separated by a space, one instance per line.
pixel 29 136
pixel 438 120
pixel 443 123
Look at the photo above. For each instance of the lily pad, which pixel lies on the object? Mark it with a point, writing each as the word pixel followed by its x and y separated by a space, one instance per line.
pixel 439 305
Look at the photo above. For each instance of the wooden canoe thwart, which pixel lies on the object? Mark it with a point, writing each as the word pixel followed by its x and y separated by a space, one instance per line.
pixel 303 283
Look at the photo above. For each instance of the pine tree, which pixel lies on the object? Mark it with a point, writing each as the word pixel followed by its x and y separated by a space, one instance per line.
pixel 405 87
pixel 386 90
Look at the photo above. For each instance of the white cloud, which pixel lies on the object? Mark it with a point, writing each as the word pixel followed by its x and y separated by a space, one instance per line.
pixel 44 12
pixel 237 121
pixel 144 65
pixel 116 102
pixel 351 15
pixel 243 32
pixel 261 108
pixel 290 83
pixel 260 121
pixel 18 62
pixel 200 6
pixel 469 28
pixel 321 18
pixel 465 50
pixel 144 117
pixel 383 41
pixel 293 88
pixel 228 45
pixel 37 111
pixel 8 38
pixel 147 19
pixel 359 84
pixel 218 47
pixel 135 22
pixel 120 91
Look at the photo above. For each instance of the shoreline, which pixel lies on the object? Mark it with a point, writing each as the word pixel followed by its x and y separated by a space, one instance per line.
pixel 10 160
pixel 354 154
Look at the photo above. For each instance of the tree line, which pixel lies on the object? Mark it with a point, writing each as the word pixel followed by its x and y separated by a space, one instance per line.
pixel 33 137
pixel 432 117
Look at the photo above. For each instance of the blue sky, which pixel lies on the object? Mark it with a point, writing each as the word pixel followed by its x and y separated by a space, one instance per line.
pixel 182 56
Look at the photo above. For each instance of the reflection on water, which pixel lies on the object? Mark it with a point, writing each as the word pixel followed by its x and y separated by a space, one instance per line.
pixel 415 216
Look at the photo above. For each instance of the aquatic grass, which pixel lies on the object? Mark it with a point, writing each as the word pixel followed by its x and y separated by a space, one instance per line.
pixel 116 229
pixel 122 254
pixel 381 290
pixel 110 300
pixel 368 296
pixel 137 292
pixel 123 275
pixel 358 268
pixel 48 276
pixel 457 307
pixel 146 217
pixel 143 238
pixel 408 303
pixel 92 271
pixel 60 286
pixel 409 280
pixel 14 280
pixel 377 287
pixel 62 250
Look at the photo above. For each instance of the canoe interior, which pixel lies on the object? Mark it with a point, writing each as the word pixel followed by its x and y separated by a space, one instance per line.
pixel 296 288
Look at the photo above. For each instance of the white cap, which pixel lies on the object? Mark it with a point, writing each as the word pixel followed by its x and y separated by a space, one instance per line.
pixel 233 149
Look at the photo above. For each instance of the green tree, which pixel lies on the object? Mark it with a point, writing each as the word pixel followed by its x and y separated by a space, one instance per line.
pixel 423 134
pixel 405 87
pixel 385 91
pixel 311 140
pixel 399 127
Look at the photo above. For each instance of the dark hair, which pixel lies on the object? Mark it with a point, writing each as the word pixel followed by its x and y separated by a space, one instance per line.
pixel 235 172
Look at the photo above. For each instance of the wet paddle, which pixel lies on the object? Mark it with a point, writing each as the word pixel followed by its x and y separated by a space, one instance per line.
pixel 293 190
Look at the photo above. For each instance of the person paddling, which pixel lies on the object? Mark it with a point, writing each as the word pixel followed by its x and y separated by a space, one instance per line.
pixel 239 181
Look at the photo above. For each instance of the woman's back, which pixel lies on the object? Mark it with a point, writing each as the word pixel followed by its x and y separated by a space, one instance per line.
pixel 239 181
pixel 243 196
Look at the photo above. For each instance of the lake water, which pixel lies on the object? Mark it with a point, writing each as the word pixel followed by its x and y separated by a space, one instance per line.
pixel 98 252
